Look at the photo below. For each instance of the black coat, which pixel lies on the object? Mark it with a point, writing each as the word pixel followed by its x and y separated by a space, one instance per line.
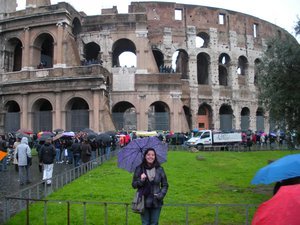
pixel 47 154
pixel 158 187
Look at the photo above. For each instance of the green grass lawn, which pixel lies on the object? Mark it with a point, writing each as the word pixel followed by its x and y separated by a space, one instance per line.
pixel 215 178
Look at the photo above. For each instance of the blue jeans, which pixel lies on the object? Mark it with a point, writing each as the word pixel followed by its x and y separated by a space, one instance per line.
pixel 150 216
pixel 4 164
pixel 107 152
pixel 57 156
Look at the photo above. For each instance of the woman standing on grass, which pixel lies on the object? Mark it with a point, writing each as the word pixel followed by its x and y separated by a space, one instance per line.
pixel 150 180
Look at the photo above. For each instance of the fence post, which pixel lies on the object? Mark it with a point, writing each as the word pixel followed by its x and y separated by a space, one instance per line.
pixel 105 214
pixel 84 213
pixel 68 209
pixel 27 211
pixel 187 215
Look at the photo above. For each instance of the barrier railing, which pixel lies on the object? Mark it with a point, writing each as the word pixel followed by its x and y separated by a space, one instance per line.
pixel 41 190
pixel 67 213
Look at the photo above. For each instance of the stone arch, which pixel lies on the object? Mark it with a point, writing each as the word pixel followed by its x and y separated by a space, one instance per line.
pixel 188 116
pixel 204 117
pixel 13 55
pixel 42 115
pixel 242 66
pixel 256 65
pixel 76 27
pixel 159 116
pixel 245 119
pixel 223 69
pixel 202 40
pixel 43 52
pixel 121 46
pixel 180 62
pixel 159 59
pixel 124 116
pixel 203 63
pixel 260 119
pixel 226 117
pixel 77 114
pixel 91 53
pixel 12 116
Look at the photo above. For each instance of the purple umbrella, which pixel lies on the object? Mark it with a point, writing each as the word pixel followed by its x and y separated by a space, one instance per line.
pixel 132 154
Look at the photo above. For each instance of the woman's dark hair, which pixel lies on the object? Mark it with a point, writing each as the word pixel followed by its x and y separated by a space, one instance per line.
pixel 155 163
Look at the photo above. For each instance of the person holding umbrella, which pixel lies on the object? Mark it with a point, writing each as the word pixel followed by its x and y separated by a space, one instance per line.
pixel 151 181
pixel 47 155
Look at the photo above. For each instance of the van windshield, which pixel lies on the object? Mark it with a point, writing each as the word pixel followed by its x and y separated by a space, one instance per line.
pixel 198 134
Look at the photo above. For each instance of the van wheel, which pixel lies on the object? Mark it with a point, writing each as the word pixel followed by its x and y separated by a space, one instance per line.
pixel 200 147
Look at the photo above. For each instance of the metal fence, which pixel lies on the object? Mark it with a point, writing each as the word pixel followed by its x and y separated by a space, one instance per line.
pixel 103 209
pixel 41 190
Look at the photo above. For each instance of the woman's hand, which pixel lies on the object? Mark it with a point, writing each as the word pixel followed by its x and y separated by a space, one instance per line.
pixel 143 177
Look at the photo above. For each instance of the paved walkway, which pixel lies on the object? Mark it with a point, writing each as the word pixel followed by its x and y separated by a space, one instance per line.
pixel 9 180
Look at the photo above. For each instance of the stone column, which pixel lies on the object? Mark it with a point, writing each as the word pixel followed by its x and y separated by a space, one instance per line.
pixel 58 48
pixel 142 115
pixel 26 49
pixel 25 120
pixel 95 119
pixel 57 117
pixel 175 114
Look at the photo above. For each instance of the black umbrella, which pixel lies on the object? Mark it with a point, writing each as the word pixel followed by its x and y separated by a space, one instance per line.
pixel 91 136
pixel 104 138
pixel 111 133
pixel 88 130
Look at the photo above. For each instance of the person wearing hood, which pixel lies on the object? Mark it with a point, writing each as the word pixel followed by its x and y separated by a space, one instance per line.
pixel 47 155
pixel 23 152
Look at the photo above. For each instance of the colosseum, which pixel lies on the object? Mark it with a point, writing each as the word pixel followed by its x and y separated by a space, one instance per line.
pixel 195 67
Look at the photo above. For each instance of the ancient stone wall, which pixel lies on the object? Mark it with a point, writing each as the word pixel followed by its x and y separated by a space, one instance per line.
pixel 212 85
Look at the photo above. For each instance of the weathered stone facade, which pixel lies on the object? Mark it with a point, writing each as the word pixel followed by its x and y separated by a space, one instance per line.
pixel 59 68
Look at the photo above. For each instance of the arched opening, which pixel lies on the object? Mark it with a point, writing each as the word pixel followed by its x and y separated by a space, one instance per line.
pixel 260 120
pixel 77 115
pixel 226 118
pixel 203 61
pixel 159 59
pixel 242 66
pixel 124 116
pixel 13 55
pixel 224 63
pixel 44 51
pixel 123 46
pixel 76 27
pixel 42 115
pixel 202 40
pixel 180 61
pixel 223 76
pixel 159 116
pixel 12 117
pixel 204 117
pixel 245 119
pixel 127 59
pixel 256 65
pixel 188 116
pixel 91 51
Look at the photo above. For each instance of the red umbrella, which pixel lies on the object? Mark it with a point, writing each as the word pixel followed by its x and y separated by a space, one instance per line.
pixel 25 131
pixel 282 209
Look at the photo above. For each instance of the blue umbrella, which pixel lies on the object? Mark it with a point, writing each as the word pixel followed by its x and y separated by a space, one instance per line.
pixel 281 169
pixel 132 154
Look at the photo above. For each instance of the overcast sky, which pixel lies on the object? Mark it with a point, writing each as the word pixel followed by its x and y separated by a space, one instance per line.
pixel 281 13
